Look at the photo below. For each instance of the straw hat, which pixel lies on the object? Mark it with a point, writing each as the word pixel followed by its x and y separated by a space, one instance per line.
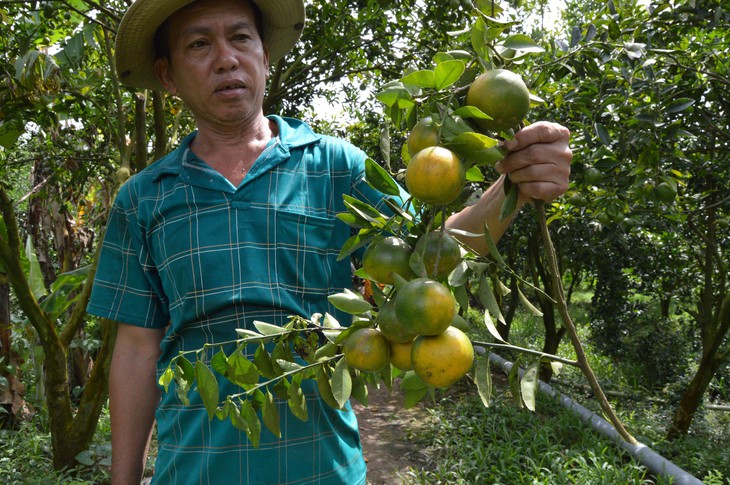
pixel 283 23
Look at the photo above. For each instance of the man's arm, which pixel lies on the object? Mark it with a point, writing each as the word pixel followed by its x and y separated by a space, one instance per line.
pixel 538 162
pixel 133 398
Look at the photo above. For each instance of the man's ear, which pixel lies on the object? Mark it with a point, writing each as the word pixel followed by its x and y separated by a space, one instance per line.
pixel 162 71
pixel 266 61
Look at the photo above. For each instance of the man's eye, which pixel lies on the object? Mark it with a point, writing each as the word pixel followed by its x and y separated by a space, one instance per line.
pixel 198 44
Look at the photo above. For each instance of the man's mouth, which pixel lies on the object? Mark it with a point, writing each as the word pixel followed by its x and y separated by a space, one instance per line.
pixel 229 86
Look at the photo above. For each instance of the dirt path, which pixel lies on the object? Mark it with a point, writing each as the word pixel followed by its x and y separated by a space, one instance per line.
pixel 384 429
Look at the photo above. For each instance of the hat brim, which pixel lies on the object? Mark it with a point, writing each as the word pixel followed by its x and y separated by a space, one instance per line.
pixel 134 52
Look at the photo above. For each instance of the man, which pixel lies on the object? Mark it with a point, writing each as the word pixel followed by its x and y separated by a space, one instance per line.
pixel 238 224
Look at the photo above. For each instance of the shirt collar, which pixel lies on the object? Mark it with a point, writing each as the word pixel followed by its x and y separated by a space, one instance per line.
pixel 293 134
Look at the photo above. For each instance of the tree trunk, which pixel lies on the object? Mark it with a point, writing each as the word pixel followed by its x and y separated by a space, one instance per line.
pixel 692 398
pixel 712 360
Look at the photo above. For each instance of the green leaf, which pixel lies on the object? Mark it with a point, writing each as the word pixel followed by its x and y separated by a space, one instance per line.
pixel 447 73
pixel 32 270
pixel 341 382
pixel 679 105
pixel 207 388
pixel 359 389
pixel 270 414
pixel 510 202
pixel 324 386
pixel 354 243
pixel 483 378
pixel 262 361
pixel 529 386
pixel 297 401
pixel 184 376
pixel 241 371
pixel 393 94
pixel 493 251
pixel 527 304
pixel 491 328
pixel 166 378
pixel 514 383
pixel 414 389
pixel 422 78
pixel 603 133
pixel 219 363
pixel 364 211
pixel 521 42
pixel 380 179
pixel 234 414
pixel 64 291
pixel 288 365
pixel 248 413
pixel 350 302
pixel 487 298
pixel 268 329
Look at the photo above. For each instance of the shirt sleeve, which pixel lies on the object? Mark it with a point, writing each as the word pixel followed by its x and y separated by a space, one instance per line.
pixel 127 287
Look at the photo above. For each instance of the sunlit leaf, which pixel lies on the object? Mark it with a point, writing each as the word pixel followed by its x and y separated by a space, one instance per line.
pixel 483 378
pixel 341 382
pixel 527 304
pixel 350 302
pixel 270 414
pixel 297 401
pixel 241 371
pixel 423 79
pixel 380 179
pixel 207 388
pixel 529 386
pixel 447 73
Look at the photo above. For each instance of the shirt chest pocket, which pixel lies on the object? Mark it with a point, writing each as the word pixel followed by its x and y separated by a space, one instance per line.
pixel 303 252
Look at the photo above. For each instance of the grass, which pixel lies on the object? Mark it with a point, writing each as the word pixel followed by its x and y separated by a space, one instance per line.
pixel 503 444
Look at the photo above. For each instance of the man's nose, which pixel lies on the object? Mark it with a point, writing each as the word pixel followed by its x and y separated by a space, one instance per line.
pixel 226 57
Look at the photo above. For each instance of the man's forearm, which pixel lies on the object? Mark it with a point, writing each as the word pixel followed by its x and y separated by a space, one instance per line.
pixel 486 211
pixel 133 398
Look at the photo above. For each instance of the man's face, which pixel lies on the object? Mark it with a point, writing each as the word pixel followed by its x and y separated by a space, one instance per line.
pixel 218 64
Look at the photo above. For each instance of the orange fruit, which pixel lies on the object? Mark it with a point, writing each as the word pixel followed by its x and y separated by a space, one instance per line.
pixel 441 360
pixel 503 95
pixel 425 134
pixel 424 306
pixel 400 355
pixel 439 252
pixel 367 349
pixel 390 326
pixel 435 175
pixel 385 257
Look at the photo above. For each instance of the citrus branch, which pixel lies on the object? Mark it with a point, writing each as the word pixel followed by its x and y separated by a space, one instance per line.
pixel 286 374
pixel 523 350
pixel 582 359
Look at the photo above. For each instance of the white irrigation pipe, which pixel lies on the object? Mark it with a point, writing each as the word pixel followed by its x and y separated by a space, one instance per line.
pixel 656 463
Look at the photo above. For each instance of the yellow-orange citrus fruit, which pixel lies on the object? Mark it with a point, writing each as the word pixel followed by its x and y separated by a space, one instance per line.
pixel 441 360
pixel 390 326
pixel 400 355
pixel 367 349
pixel 425 134
pixel 435 175
pixel 385 257
pixel 503 95
pixel 425 306
pixel 439 252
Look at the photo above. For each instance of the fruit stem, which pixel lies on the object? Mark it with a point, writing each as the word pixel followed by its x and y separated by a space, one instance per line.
pixel 581 357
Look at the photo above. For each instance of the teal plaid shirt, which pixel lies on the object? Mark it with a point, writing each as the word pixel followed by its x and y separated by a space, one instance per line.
pixel 184 247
